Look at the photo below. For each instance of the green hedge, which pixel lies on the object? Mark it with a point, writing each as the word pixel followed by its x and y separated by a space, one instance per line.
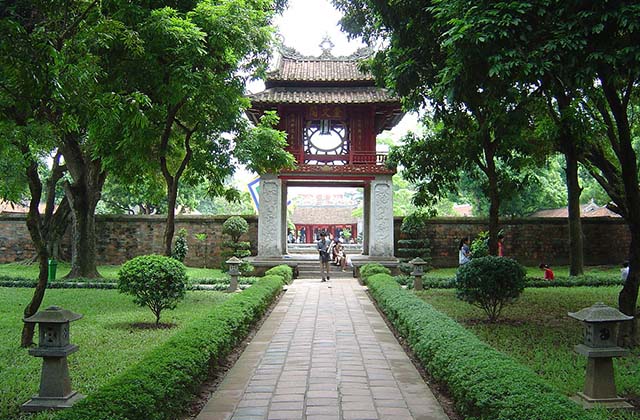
pixel 162 384
pixel 585 280
pixel 484 383
pixel 220 283
pixel 283 271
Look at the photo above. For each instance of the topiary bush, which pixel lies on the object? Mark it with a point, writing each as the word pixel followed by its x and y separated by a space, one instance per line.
pixel 490 283
pixel 283 271
pixel 155 281
pixel 235 227
pixel 414 244
pixel 369 270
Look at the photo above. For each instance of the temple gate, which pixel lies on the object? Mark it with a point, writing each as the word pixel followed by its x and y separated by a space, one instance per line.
pixel 332 113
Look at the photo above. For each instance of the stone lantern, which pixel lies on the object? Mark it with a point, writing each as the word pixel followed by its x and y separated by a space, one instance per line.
pixel 53 347
pixel 234 272
pixel 600 346
pixel 418 271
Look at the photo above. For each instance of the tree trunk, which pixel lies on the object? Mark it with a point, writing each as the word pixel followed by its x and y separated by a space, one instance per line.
pixel 628 298
pixel 83 194
pixel 576 250
pixel 568 148
pixel 494 195
pixel 170 227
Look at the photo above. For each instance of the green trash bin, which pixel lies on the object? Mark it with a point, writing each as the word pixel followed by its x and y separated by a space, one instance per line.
pixel 53 265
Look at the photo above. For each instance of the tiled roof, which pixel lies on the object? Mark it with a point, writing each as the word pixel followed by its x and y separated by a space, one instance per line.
pixel 295 67
pixel 586 210
pixel 323 95
pixel 317 70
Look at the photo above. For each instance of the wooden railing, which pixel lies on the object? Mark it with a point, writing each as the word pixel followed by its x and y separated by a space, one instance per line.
pixel 354 158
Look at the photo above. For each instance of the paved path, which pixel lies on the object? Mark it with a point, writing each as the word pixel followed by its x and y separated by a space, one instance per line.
pixel 323 353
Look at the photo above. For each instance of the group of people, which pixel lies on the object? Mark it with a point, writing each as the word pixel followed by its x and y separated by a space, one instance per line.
pixel 300 238
pixel 331 251
pixel 464 256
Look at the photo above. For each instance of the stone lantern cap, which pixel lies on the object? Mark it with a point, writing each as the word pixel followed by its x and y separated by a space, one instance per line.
pixel 600 312
pixel 417 261
pixel 53 315
pixel 234 260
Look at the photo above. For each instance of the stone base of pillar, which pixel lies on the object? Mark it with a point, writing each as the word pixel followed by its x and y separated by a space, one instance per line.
pixel 49 403
pixel 588 403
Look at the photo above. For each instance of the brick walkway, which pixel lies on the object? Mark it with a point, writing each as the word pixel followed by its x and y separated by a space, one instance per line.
pixel 323 353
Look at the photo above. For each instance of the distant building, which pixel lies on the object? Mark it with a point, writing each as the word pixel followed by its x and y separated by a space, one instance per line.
pixel 331 219
pixel 590 209
pixel 463 210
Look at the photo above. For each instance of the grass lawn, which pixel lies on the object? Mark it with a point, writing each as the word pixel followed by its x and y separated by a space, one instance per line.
pixel 108 343
pixel 109 272
pixel 562 271
pixel 537 332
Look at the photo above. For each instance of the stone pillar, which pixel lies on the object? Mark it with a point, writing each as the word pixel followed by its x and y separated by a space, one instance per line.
pixel 270 220
pixel 366 214
pixel 381 217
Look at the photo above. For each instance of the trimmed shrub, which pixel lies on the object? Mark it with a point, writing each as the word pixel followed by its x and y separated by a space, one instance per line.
pixel 413 228
pixel 155 281
pixel 369 270
pixel 162 384
pixel 484 383
pixel 235 227
pixel 180 247
pixel 591 280
pixel 283 271
pixel 490 283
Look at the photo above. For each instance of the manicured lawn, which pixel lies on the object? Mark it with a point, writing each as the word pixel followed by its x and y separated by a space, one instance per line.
pixel 109 272
pixel 108 342
pixel 561 271
pixel 538 333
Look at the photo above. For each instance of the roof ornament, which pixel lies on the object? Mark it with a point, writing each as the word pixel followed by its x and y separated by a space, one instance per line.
pixel 326 45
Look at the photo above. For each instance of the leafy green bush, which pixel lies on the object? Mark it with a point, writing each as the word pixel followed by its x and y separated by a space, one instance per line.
pixel 415 245
pixel 155 281
pixel 414 225
pixel 484 383
pixel 283 271
pixel 180 247
pixel 162 384
pixel 480 246
pixel 235 227
pixel 369 270
pixel 590 280
pixel 490 283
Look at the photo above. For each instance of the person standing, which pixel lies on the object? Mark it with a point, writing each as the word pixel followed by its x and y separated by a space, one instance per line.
pixel 624 271
pixel 500 245
pixel 464 253
pixel 324 256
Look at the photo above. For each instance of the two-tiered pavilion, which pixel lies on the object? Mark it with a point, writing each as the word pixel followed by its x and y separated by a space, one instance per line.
pixel 332 113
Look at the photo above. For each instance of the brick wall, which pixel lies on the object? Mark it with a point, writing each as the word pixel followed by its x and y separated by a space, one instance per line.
pixel 120 238
pixel 531 241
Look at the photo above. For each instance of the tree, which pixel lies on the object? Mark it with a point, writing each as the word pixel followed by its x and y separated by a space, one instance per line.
pixel 585 57
pixel 490 283
pixel 194 58
pixel 481 120
pixel 154 281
